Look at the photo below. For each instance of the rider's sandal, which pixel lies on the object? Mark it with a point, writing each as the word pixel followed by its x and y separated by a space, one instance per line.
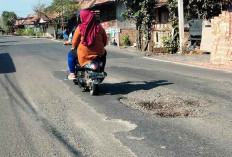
pixel 71 77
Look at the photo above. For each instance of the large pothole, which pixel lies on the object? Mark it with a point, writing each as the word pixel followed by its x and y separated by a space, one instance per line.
pixel 163 102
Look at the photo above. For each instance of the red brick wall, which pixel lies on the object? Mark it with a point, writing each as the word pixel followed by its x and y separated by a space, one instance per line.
pixel 222 39
pixel 131 33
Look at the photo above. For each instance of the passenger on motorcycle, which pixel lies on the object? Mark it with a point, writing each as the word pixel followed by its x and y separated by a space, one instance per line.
pixel 89 39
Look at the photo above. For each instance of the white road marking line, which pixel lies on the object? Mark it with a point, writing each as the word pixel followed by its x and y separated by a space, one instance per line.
pixel 41 38
pixel 173 62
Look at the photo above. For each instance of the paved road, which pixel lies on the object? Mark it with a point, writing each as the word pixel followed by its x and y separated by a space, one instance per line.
pixel 41 114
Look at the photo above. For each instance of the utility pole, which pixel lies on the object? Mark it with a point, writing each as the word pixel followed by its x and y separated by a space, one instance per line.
pixel 62 16
pixel 181 24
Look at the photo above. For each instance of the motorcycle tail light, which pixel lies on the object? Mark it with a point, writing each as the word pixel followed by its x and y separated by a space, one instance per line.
pixel 94 66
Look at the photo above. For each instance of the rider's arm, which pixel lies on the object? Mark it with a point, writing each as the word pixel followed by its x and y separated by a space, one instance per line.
pixel 76 38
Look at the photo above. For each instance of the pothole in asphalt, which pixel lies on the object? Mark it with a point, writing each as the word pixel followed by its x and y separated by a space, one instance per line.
pixel 165 103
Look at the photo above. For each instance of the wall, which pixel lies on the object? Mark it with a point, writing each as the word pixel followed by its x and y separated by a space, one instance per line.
pixel 207 37
pixel 222 39
pixel 50 31
pixel 121 22
pixel 111 30
pixel 131 33
pixel 157 38
pixel 162 28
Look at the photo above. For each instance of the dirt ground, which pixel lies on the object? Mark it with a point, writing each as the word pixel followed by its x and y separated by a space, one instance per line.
pixel 202 59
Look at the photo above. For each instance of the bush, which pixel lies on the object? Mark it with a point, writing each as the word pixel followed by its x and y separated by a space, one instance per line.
pixel 126 40
pixel 38 33
pixel 19 31
pixel 170 45
pixel 30 32
pixel 167 41
pixel 26 32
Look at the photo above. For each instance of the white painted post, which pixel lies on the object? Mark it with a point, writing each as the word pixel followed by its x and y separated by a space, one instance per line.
pixel 181 24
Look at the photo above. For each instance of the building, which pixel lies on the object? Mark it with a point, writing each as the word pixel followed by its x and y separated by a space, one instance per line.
pixel 109 13
pixel 48 25
pixel 29 22
pixel 162 27
pixel 117 27
pixel 44 23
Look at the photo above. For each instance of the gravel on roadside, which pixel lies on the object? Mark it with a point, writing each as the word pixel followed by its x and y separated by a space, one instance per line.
pixel 166 103
pixel 200 60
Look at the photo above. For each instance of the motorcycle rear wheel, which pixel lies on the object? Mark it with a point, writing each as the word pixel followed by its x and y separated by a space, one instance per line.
pixel 94 89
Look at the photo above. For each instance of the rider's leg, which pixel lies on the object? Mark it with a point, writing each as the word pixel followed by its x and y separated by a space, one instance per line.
pixel 71 65
pixel 103 59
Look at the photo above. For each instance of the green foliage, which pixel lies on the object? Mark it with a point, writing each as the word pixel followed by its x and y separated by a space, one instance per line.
pixel 9 19
pixel 193 9
pixel 143 12
pixel 2 26
pixel 19 31
pixel 30 32
pixel 197 9
pixel 38 33
pixel 69 7
pixel 169 45
pixel 126 40
pixel 26 32
pixel 204 9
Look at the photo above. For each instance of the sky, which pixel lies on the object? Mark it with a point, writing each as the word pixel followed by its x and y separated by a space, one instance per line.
pixel 21 7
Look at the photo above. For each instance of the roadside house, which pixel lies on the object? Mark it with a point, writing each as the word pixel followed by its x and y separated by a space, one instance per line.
pixel 162 27
pixel 109 13
pixel 29 22
pixel 117 27
pixel 48 25
pixel 44 23
pixel 19 23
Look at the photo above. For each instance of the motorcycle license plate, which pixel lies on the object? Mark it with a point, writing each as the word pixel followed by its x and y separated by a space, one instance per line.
pixel 97 75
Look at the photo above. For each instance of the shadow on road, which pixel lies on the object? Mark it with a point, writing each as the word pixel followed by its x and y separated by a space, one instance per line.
pixel 131 86
pixel 4 36
pixel 6 63
pixel 2 42
pixel 2 47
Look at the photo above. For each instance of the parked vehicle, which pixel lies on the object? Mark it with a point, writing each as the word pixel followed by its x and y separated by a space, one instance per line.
pixel 91 75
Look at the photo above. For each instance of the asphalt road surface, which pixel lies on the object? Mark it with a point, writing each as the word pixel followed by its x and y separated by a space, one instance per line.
pixel 41 114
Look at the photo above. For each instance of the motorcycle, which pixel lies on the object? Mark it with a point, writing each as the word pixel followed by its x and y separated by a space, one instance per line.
pixel 91 75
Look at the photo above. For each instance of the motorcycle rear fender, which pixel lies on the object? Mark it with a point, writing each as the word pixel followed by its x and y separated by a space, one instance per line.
pixel 89 65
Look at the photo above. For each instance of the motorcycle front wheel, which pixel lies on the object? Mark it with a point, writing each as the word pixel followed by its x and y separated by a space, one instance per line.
pixel 94 89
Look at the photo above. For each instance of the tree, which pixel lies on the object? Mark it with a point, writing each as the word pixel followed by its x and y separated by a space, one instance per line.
pixel 2 26
pixel 133 12
pixel 148 11
pixel 69 7
pixel 39 7
pixel 204 9
pixel 143 13
pixel 193 9
pixel 9 19
pixel 172 43
pixel 65 8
